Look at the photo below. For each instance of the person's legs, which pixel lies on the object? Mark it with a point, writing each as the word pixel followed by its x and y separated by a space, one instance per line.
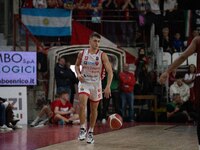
pixel 115 100
pixel 106 103
pixel 82 114
pixel 123 104
pixel 2 115
pixel 93 117
pixel 3 126
pixel 130 101
pixel 44 111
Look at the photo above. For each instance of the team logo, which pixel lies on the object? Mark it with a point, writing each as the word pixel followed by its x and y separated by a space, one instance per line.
pixel 97 58
pixel 85 62
pixel 86 57
pixel 82 89
pixel 96 62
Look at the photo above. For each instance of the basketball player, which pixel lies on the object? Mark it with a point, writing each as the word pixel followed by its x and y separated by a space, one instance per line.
pixel 92 61
pixel 194 47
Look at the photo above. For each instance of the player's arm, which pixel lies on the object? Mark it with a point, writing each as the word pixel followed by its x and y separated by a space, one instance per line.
pixel 77 67
pixel 109 71
pixel 189 51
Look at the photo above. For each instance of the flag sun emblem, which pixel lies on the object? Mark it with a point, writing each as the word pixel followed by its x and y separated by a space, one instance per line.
pixel 46 21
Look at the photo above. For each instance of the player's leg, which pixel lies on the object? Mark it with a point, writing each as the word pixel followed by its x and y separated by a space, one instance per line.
pixel 82 114
pixel 93 118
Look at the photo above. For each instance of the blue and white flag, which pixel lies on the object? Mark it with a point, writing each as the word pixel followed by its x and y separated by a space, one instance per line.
pixel 47 22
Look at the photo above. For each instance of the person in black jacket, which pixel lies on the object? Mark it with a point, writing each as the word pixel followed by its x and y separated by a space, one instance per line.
pixel 64 77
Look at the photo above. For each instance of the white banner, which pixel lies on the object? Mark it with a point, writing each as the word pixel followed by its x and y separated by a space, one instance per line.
pixel 17 96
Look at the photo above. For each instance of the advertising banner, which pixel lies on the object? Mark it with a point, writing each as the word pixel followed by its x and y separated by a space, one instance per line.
pixel 18 68
pixel 17 96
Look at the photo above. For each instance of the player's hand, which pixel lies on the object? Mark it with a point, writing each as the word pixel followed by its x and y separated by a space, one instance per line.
pixel 163 78
pixel 80 77
pixel 107 92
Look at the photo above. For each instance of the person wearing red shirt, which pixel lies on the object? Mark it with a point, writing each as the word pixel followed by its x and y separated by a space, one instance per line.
pixel 59 110
pixel 127 83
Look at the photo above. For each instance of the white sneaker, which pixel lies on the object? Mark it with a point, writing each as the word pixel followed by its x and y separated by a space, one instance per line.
pixel 33 124
pixel 90 139
pixel 18 126
pixel 82 134
pixel 5 128
pixel 103 121
pixel 76 121
pixel 39 125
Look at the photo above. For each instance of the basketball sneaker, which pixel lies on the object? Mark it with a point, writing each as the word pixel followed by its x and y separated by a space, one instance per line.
pixel 90 139
pixel 82 134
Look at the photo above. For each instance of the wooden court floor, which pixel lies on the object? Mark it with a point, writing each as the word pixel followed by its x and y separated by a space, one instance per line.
pixel 133 136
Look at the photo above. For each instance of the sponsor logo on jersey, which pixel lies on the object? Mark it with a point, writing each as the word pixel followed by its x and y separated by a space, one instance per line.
pixel 97 58
pixel 86 57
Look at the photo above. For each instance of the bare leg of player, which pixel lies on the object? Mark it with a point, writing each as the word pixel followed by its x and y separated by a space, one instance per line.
pixel 93 114
pixel 82 114
pixel 93 117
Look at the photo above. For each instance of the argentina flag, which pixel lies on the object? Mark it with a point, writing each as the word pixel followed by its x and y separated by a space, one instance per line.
pixel 47 22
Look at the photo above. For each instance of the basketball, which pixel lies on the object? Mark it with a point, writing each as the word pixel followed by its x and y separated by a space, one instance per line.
pixel 115 121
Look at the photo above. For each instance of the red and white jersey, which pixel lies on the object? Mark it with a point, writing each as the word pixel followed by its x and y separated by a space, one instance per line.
pixel 92 66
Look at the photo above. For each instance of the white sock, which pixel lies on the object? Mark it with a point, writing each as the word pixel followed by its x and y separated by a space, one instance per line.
pixel 83 126
pixel 35 121
pixel 91 129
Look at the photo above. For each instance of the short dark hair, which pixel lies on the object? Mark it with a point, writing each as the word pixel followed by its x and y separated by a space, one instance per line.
pixel 95 34
pixel 62 93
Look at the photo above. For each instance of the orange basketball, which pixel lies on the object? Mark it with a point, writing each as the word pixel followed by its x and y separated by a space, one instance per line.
pixel 115 121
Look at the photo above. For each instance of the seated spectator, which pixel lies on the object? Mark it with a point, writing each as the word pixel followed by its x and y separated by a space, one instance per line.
pixel 194 34
pixel 178 45
pixel 60 110
pixel 189 80
pixel 96 10
pixel 7 120
pixel 179 87
pixel 3 126
pixel 166 41
pixel 174 113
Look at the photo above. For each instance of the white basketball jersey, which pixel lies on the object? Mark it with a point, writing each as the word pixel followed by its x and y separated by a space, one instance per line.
pixel 92 66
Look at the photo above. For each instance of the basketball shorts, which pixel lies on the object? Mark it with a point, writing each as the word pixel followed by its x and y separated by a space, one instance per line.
pixel 92 90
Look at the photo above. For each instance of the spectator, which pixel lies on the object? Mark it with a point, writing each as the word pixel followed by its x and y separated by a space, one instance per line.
pixel 194 34
pixel 140 63
pixel 74 83
pixel 27 3
pixel 170 7
pixel 178 44
pixel 3 119
pixel 63 76
pixel 68 4
pixel 172 77
pixel 127 82
pixel 110 14
pixel 126 25
pixel 55 3
pixel 142 7
pixel 189 80
pixel 114 95
pixel 165 39
pixel 155 15
pixel 40 3
pixel 96 10
pixel 174 113
pixel 60 110
pixel 11 121
pixel 181 88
